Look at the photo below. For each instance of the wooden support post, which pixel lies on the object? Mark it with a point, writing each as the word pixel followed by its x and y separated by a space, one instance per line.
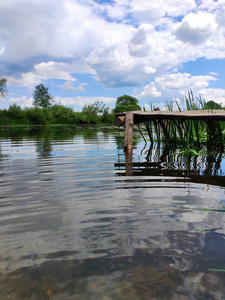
pixel 129 162
pixel 129 125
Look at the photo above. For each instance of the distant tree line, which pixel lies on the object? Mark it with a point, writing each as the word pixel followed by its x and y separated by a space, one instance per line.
pixel 45 112
pixel 92 114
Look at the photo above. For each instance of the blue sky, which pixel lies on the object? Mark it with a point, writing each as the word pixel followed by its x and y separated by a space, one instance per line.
pixel 86 51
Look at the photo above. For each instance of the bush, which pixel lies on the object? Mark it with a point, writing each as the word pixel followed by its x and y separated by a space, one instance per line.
pixel 36 115
pixel 212 105
pixel 15 112
pixel 107 118
pixel 62 114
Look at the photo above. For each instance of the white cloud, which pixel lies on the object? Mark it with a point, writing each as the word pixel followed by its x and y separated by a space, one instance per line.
pixel 169 86
pixel 25 80
pixel 81 101
pixel 217 95
pixel 211 5
pixel 51 70
pixel 196 28
pixel 149 70
pixel 150 91
pixel 146 11
pixel 54 70
pixel 69 86
pixel 52 28
pixel 21 101
pixel 141 39
pixel 213 73
pixel 116 11
pixel 183 81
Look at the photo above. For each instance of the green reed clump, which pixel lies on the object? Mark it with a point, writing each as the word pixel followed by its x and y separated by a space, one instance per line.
pixel 189 133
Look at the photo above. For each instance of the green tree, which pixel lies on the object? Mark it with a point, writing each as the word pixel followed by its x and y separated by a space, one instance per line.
pixel 42 98
pixel 95 113
pixel 62 114
pixel 97 108
pixel 3 90
pixel 126 103
pixel 36 115
pixel 15 111
pixel 212 105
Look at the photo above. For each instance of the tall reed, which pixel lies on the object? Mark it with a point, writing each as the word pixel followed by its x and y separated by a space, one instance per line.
pixel 179 132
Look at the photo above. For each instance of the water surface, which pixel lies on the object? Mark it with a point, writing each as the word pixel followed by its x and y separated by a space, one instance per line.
pixel 80 221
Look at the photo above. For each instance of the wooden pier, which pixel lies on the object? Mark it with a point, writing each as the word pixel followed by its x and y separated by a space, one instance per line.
pixel 130 118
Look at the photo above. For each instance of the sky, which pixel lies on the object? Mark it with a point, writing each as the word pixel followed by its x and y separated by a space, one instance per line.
pixel 97 50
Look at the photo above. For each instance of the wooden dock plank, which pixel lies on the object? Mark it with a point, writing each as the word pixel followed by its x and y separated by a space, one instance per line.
pixel 129 119
pixel 143 116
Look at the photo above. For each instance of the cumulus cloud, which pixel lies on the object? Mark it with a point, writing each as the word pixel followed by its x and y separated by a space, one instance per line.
pixel 21 101
pixel 183 81
pixel 150 91
pixel 60 29
pixel 149 70
pixel 152 11
pixel 196 28
pixel 120 43
pixel 217 95
pixel 138 44
pixel 70 87
pixel 26 79
pixel 117 52
pixel 81 101
pixel 52 70
pixel 179 82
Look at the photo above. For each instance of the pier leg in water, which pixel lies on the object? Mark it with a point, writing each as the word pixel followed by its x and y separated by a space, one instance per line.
pixel 129 162
pixel 129 125
pixel 128 144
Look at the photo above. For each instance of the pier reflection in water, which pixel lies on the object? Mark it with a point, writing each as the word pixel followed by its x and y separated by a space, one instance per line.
pixel 167 161
pixel 79 220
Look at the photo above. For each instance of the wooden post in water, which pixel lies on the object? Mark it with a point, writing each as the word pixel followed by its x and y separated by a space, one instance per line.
pixel 129 125
pixel 129 162
pixel 128 144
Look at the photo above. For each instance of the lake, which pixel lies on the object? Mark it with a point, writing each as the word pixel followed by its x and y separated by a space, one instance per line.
pixel 79 220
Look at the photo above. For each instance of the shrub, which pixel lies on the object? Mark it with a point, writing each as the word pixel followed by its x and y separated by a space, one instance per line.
pixel 15 111
pixel 62 114
pixel 36 115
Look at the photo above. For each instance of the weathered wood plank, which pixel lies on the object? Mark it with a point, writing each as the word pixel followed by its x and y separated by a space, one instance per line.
pixel 135 117
pixel 143 116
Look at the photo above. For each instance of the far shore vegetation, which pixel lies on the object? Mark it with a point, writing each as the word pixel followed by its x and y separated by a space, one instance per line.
pixel 46 112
